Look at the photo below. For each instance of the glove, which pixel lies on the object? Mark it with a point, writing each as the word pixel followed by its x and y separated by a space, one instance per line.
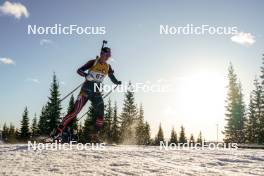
pixel 119 82
pixel 88 78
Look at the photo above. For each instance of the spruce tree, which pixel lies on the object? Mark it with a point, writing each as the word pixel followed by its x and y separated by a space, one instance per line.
pixel 84 133
pixel 235 110
pixel 115 126
pixel 191 141
pixel 173 137
pixel 73 124
pixel 11 134
pixel 34 127
pixel 254 114
pixel 5 132
pixel 17 134
pixel 43 121
pixel 54 105
pixel 80 134
pixel 24 129
pixel 147 138
pixel 160 136
pixel 140 130
pixel 241 132
pixel 89 124
pixel 108 120
pixel 260 118
pixel 251 125
pixel 128 118
pixel 182 138
pixel 200 138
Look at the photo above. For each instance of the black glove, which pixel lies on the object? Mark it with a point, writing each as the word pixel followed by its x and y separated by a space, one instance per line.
pixel 119 82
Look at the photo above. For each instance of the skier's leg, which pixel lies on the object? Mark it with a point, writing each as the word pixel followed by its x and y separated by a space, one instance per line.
pixel 80 102
pixel 97 102
pixel 99 111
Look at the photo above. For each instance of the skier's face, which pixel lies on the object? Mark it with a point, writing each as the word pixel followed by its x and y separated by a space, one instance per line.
pixel 105 56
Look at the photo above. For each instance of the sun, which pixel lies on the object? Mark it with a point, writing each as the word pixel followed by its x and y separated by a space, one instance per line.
pixel 200 101
pixel 202 94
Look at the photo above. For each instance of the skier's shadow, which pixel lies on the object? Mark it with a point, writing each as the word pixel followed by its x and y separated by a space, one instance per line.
pixel 19 148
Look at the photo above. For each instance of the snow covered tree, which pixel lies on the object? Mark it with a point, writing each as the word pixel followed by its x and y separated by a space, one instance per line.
pixel 54 105
pixel 182 138
pixel 160 136
pixel 235 110
pixel 24 129
pixel 128 117
pixel 173 137
pixel 34 127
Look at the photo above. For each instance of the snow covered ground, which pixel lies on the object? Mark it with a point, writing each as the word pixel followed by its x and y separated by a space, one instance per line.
pixel 129 160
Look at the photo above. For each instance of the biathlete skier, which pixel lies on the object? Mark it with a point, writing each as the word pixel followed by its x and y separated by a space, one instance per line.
pixel 97 69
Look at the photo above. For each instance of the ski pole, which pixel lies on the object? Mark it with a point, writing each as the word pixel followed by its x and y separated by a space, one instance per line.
pixel 106 95
pixel 71 92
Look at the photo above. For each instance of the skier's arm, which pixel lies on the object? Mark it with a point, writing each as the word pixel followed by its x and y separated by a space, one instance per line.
pixel 82 69
pixel 112 76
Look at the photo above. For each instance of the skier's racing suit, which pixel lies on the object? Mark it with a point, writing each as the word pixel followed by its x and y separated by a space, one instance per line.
pixel 95 75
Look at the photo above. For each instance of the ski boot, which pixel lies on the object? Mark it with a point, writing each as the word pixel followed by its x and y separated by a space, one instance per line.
pixel 56 134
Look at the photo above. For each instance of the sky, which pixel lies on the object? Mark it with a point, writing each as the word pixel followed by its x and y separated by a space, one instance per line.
pixel 194 66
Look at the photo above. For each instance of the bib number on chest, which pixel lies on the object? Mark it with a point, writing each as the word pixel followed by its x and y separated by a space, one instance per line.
pixel 98 77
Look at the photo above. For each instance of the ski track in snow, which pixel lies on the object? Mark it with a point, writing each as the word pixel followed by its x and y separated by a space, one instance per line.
pixel 129 160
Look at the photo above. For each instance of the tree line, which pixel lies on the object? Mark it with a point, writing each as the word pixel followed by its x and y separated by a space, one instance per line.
pixel 244 124
pixel 182 139
pixel 126 127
